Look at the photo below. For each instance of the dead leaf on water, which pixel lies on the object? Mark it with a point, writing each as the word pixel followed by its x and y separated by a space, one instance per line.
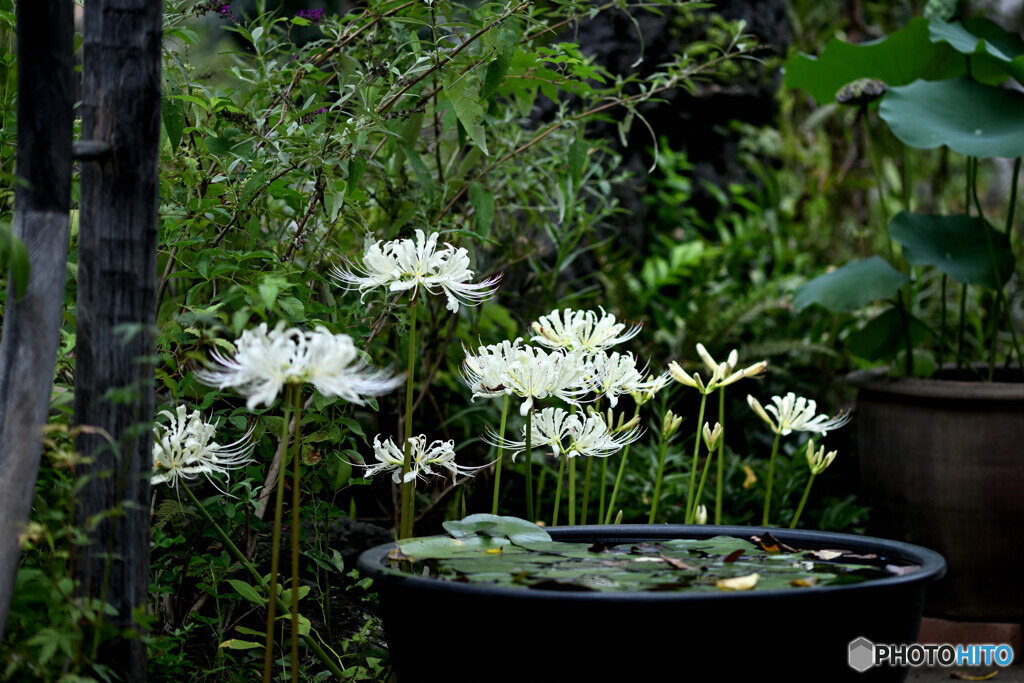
pixel 739 583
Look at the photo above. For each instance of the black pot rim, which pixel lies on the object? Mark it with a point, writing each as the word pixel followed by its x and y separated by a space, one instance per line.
pixel 878 379
pixel 933 566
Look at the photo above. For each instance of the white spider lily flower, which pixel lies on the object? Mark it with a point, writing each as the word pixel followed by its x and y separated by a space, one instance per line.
pixel 533 373
pixel 551 427
pixel 792 414
pixel 616 374
pixel 405 264
pixel 581 330
pixel 592 438
pixel 818 461
pixel 720 375
pixel 391 458
pixel 264 361
pixel 183 449
pixel 485 372
pixel 710 363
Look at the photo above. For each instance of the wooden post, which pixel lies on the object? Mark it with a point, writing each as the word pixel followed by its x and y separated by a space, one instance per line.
pixel 31 329
pixel 116 313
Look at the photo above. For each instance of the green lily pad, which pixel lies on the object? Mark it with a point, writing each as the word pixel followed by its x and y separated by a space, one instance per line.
pixel 899 58
pixel 437 547
pixel 982 37
pixel 956 245
pixel 970 118
pixel 851 286
pixel 519 531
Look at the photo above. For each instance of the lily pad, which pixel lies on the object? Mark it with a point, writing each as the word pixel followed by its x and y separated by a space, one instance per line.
pixel 970 118
pixel 436 547
pixel 898 59
pixel 982 37
pixel 956 245
pixel 851 286
pixel 519 531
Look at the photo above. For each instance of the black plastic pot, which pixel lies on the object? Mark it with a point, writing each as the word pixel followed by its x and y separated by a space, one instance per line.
pixel 447 631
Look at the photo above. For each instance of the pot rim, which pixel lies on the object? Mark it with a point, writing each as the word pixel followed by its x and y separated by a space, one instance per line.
pixel 933 565
pixel 878 379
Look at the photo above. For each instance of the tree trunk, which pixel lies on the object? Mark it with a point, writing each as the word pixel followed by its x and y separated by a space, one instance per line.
pixel 116 314
pixel 31 330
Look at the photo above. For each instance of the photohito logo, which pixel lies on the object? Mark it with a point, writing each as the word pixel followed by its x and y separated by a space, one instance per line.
pixel 863 654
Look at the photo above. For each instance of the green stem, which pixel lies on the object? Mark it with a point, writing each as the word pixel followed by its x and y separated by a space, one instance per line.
pixel 803 501
pixel 572 491
pixel 719 482
pixel 700 489
pixel 529 466
pixel 771 477
pixel 586 491
pixel 258 580
pixel 558 490
pixel 408 494
pixel 275 545
pixel 296 462
pixel 603 479
pixel 501 450
pixel 662 449
pixel 618 478
pixel 696 452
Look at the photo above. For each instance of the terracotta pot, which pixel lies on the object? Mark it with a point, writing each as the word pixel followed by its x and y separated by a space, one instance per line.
pixel 450 631
pixel 942 465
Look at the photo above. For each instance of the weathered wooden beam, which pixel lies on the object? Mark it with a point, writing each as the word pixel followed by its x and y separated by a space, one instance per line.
pixel 32 323
pixel 116 312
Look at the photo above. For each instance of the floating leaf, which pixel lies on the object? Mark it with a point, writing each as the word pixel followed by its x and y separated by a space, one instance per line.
pixel 970 118
pixel 956 245
pixel 851 286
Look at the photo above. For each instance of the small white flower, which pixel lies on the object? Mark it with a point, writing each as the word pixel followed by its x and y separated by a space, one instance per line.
pixel 437 454
pixel 581 330
pixel 405 264
pixel 794 414
pixel 616 374
pixel 570 435
pixel 184 449
pixel 264 361
pixel 550 427
pixel 592 438
pixel 532 373
pixel 701 515
pixel 485 372
pixel 722 374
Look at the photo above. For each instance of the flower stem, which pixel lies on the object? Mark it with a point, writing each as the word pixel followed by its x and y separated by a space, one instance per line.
pixel 662 449
pixel 296 462
pixel 408 495
pixel 601 490
pixel 719 482
pixel 275 546
pixel 257 579
pixel 572 491
pixel 696 452
pixel 558 491
pixel 586 491
pixel 529 466
pixel 618 478
pixel 803 501
pixel 700 489
pixel 771 476
pixel 501 450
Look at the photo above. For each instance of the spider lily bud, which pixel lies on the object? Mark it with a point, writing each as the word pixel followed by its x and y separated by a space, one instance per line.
pixel 712 436
pixel 670 424
pixel 701 515
pixel 679 375
pixel 633 422
pixel 818 461
pixel 756 406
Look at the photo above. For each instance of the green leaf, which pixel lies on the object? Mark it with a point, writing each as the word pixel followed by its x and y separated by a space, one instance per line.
pixel 981 36
pixel 577 159
pixel 247 592
pixel 503 41
pixel 851 286
pixel 419 169
pixel 968 117
pixel 519 531
pixel 956 245
pixel 236 644
pixel 173 113
pixel 899 58
pixel 884 336
pixel 19 266
pixel 256 182
pixel 483 205
pixel 461 91
pixel 438 547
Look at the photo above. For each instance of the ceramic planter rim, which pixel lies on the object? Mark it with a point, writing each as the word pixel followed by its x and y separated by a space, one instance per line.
pixel 878 380
pixel 932 564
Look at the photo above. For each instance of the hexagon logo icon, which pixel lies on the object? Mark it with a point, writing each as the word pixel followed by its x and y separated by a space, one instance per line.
pixel 861 654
